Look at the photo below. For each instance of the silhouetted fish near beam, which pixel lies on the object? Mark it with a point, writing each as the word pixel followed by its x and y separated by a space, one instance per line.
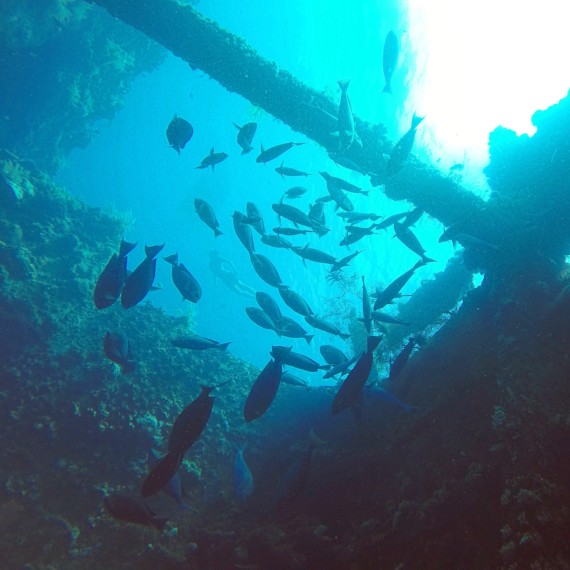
pixel 178 133
pixel 390 220
pixel 294 301
pixel 355 217
pixel 184 280
pixel 212 159
pixel 263 390
pixel 412 217
pixel 187 428
pixel 242 476
pixel 292 231
pixel 111 281
pixel 409 239
pixel 403 147
pixel 195 342
pixel 292 329
pixel 332 354
pixel 245 136
pixel 325 326
pixel 128 508
pixel 351 389
pixel 174 487
pixel 265 269
pixel 400 361
pixel 346 129
pixel 273 152
pixel 341 199
pixel 385 297
pixel 313 254
pixel 274 240
pixel 295 359
pixel 293 380
pixel 139 282
pixel 344 261
pixel 287 171
pixel 117 349
pixel 385 318
pixel 342 367
pixel 389 60
pixel 207 215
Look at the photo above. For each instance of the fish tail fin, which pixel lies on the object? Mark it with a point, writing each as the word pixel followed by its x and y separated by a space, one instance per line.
pixel 309 338
pixel 416 121
pixel 159 522
pixel 153 250
pixel 372 342
pixel 126 247
pixel 224 345
pixel 172 259
pixel 246 150
pixel 236 126
pixel 344 336
pixel 427 260
pixel 344 85
pixel 217 232
pixel 387 88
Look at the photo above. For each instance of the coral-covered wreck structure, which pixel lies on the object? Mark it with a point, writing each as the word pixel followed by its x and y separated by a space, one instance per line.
pixel 478 480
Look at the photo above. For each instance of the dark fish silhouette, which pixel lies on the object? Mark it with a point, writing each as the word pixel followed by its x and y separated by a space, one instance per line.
pixel 287 171
pixel 207 215
pixel 178 133
pixel 212 159
pixel 295 359
pixel 412 217
pixel 325 326
pixel 294 192
pixel 385 297
pixel 390 220
pixel 184 280
pixel 313 254
pixel 403 147
pixel 350 391
pixel 291 231
pixel 332 354
pixel 254 218
pixel 341 199
pixel 409 239
pixel 174 487
pixel 390 59
pixel 112 279
pixel 186 430
pixel 265 269
pixel 263 390
pixel 275 240
pixel 385 318
pixel 128 508
pixel 273 152
pixel 346 129
pixel 292 329
pixel 243 231
pixel 242 476
pixel 355 217
pixel 245 136
pixel 139 282
pixel 261 318
pixel 295 301
pixel 400 361
pixel 342 367
pixel 292 380
pixel 117 349
pixel 195 342
pixel 269 306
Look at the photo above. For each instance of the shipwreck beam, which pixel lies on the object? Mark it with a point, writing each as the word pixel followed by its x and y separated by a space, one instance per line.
pixel 239 68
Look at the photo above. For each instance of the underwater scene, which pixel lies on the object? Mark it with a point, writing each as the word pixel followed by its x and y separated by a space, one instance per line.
pixel 284 285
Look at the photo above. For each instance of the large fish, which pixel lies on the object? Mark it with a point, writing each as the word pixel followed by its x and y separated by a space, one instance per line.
pixel 346 130
pixel 294 301
pixel 174 487
pixel 400 361
pixel 195 342
pixel 313 254
pixel 292 329
pixel 243 230
pixel 263 390
pixel 245 136
pixel 295 359
pixel 139 282
pixel 184 281
pixel 341 199
pixel 409 239
pixel 262 319
pixel 385 297
pixel 389 59
pixel 242 476
pixel 385 318
pixel 293 214
pixel 275 240
pixel 212 159
pixel 332 354
pixel 128 508
pixel 287 171
pixel 390 220
pixel 178 133
pixel 325 326
pixel 117 348
pixel 273 152
pixel 292 380
pixel 254 218
pixel 350 392
pixel 186 430
pixel 403 147
pixel 207 215
pixel 269 306
pixel 265 269
pixel 112 279
pixel 342 367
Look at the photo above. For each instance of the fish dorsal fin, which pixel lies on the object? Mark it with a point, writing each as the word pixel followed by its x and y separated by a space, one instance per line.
pixel 212 151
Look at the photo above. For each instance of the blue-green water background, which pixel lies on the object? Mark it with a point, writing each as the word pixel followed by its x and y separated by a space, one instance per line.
pixel 130 167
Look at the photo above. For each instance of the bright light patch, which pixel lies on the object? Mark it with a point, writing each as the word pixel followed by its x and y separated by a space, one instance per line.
pixel 475 65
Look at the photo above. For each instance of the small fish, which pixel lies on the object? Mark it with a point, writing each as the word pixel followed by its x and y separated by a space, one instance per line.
pixel 291 231
pixel 385 396
pixel 261 318
pixel 287 171
pixel 412 217
pixel 128 508
pixel 185 431
pixel 355 217
pixel 174 487
pixel 112 279
pixel 269 306
pixel 390 59
pixel 275 240
pixel 341 368
pixel 350 391
pixel 245 136
pixel 243 230
pixel 360 231
pixel 292 329
pixel 212 159
pixel 341 199
pixel 409 239
pixel 344 184
pixel 294 301
pixel 178 133
pixel 263 390
pixel 265 269
pixel 273 152
pixel 351 238
pixel 207 215
pixel 242 476
pixel 344 261
pixel 403 147
pixel 313 254
pixel 184 280
pixel 325 326
pixel 332 354
pixel 346 130
pixel 139 282
pixel 117 349
pixel 254 218
pixel 385 318
pixel 317 213
pixel 390 220
pixel 195 342
pixel 385 297
pixel 294 192
pixel 342 160
pixel 295 359
pixel 293 380
pixel 400 361
pixel 293 214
